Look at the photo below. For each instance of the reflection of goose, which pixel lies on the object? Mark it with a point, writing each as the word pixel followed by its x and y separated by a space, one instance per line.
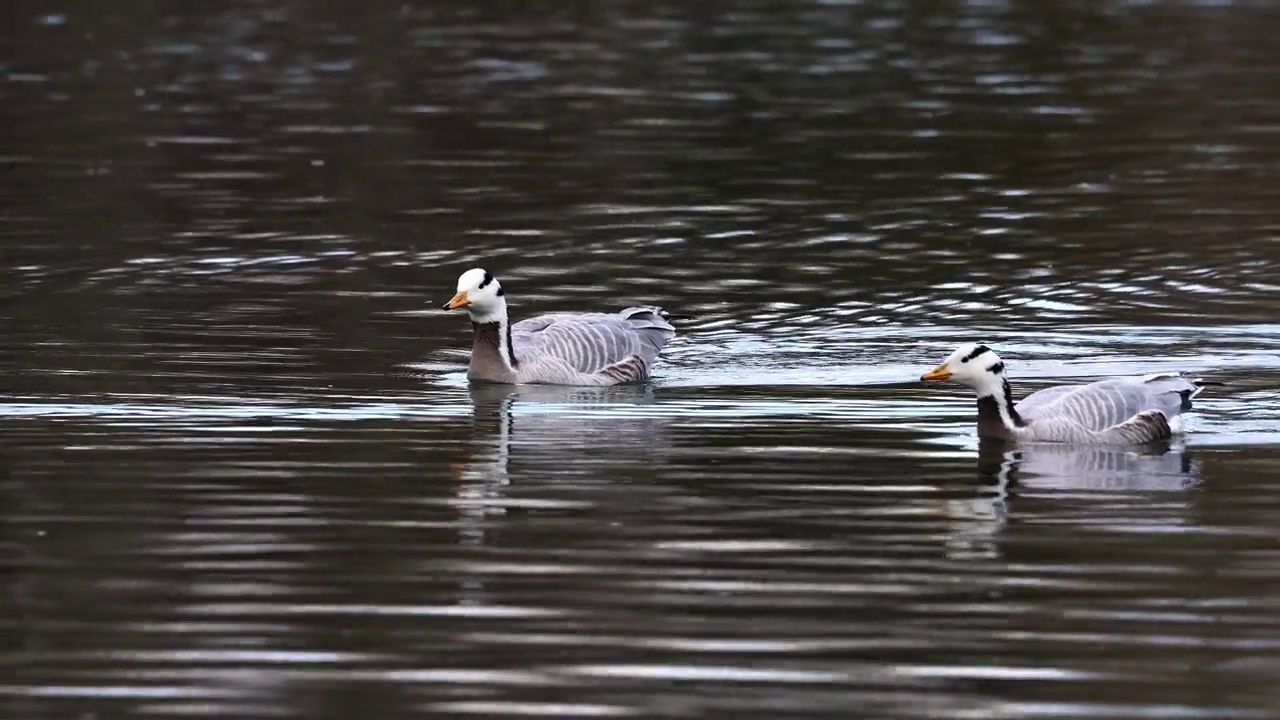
pixel 550 419
pixel 1007 467
pixel 1119 411
pixel 491 398
pixel 1153 467
pixel 543 427
pixel 592 349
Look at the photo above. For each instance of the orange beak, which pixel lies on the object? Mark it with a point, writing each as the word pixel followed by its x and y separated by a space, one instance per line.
pixel 939 373
pixel 458 301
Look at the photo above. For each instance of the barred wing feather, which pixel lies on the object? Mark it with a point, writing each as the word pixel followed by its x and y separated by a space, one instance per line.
pixel 622 345
pixel 1130 409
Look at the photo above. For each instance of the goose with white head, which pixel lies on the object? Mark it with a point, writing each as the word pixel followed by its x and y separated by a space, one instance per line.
pixel 1118 411
pixel 557 348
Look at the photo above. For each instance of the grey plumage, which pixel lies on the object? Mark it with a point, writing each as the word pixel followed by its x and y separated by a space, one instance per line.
pixel 1130 410
pixel 590 348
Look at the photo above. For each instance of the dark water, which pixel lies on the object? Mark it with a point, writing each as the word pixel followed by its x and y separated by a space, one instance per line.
pixel 245 476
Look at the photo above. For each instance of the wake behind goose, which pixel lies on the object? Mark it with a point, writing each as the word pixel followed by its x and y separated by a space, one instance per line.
pixel 557 348
pixel 1118 411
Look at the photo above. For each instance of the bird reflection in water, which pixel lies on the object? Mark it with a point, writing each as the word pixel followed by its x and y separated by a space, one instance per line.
pixel 1007 469
pixel 544 428
pixel 1161 466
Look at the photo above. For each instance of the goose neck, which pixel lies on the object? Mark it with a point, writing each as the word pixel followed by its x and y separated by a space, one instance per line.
pixel 997 416
pixel 495 334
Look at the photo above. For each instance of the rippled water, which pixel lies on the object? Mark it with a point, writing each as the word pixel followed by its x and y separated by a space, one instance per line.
pixel 246 476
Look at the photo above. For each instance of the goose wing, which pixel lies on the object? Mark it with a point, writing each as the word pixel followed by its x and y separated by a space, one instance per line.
pixel 1040 398
pixel 622 344
pixel 1124 409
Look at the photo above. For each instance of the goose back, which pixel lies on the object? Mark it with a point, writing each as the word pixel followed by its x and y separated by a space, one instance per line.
pixel 1136 409
pixel 590 348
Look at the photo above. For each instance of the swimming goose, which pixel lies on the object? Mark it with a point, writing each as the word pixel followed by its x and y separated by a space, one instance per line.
pixel 1120 411
pixel 557 348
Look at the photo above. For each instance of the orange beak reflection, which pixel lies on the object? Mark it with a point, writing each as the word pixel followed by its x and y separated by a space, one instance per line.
pixel 939 373
pixel 457 301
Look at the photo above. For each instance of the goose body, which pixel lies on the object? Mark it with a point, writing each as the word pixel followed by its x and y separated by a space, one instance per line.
pixel 1118 411
pixel 557 348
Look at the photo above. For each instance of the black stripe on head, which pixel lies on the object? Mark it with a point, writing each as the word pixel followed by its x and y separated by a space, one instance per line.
pixel 501 292
pixel 976 352
pixel 997 368
pixel 488 278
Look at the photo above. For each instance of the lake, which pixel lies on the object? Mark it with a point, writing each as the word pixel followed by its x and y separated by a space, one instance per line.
pixel 245 475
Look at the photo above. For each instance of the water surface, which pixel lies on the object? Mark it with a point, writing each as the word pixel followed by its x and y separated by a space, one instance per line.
pixel 246 476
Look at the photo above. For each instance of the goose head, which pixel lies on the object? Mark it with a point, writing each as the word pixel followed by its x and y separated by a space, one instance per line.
pixel 973 365
pixel 481 295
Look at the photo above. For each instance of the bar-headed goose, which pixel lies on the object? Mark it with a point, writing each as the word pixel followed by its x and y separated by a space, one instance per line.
pixel 557 348
pixel 1120 411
